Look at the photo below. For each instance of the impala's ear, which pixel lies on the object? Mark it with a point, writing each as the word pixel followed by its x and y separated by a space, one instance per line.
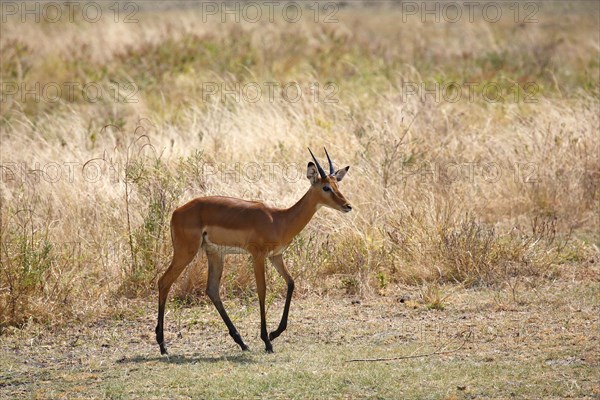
pixel 340 173
pixel 312 173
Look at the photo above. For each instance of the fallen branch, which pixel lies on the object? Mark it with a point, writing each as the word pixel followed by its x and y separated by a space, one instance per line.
pixel 438 351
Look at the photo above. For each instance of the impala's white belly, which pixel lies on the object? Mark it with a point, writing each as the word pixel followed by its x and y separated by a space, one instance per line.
pixel 236 242
pixel 215 248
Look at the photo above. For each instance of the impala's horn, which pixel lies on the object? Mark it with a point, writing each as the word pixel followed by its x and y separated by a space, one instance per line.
pixel 331 170
pixel 321 172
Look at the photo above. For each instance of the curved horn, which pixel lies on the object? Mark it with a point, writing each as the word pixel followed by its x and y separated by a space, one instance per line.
pixel 321 172
pixel 331 170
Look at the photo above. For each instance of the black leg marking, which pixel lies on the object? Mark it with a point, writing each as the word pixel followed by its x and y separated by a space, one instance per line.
pixel 277 261
pixel 286 309
pixel 261 288
pixel 215 270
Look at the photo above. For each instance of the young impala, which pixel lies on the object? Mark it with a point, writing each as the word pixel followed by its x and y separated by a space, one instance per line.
pixel 225 225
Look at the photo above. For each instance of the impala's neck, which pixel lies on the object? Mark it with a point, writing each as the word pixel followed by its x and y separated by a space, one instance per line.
pixel 292 220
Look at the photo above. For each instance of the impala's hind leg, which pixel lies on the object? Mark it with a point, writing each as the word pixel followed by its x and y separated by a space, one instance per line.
pixel 185 247
pixel 215 270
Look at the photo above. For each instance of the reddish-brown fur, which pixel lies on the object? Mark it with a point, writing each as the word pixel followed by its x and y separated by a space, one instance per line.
pixel 218 224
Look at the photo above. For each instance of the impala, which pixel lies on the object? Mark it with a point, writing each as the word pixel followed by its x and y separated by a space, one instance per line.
pixel 226 225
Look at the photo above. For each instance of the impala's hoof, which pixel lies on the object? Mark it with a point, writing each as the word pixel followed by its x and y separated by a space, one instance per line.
pixel 163 349
pixel 245 348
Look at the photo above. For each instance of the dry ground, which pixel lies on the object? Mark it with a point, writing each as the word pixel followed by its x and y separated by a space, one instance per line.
pixel 521 342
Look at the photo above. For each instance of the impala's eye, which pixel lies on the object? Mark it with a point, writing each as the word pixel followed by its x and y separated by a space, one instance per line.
pixel 326 189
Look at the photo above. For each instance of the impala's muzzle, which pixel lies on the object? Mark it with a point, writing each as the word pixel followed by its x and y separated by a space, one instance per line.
pixel 346 208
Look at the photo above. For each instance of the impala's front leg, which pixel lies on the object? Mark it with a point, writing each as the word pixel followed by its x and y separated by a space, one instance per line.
pixel 280 267
pixel 261 288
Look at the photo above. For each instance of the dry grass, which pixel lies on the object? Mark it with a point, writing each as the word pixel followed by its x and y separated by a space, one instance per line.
pixel 470 192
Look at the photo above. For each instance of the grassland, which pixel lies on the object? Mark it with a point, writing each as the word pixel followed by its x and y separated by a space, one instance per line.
pixel 544 344
pixel 475 181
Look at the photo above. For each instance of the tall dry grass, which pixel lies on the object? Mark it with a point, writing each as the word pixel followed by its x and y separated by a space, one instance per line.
pixel 472 192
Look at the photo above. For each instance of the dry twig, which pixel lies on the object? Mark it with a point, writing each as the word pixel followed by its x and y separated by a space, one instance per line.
pixel 438 351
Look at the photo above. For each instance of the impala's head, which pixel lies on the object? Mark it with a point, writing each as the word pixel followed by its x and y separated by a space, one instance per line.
pixel 325 186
